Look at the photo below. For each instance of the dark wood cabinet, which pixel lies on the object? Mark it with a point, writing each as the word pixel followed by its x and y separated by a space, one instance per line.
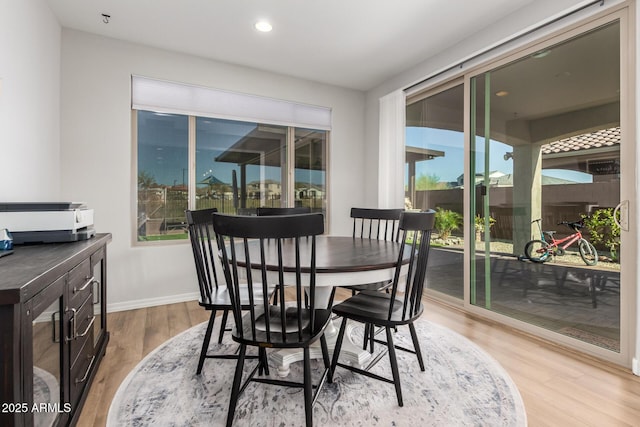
pixel 53 329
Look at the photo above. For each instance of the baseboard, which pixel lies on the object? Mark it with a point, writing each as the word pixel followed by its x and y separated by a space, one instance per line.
pixel 635 366
pixel 151 302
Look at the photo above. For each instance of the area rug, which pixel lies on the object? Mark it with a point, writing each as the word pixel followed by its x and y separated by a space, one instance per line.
pixel 462 386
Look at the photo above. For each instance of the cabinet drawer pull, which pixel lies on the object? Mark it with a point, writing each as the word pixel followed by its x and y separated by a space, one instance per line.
pixel 85 286
pixel 89 326
pixel 73 325
pixel 86 374
pixel 96 292
pixel 54 322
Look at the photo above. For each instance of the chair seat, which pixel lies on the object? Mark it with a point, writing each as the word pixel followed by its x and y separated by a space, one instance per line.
pixel 373 307
pixel 276 339
pixel 220 296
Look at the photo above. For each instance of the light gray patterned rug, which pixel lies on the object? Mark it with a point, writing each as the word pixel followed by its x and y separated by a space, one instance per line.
pixel 462 386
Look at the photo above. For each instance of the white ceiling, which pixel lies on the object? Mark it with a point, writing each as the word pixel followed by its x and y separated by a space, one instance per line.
pixel 350 43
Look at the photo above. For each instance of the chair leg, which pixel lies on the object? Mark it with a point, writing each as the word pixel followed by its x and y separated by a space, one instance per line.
pixel 416 345
pixel 308 389
pixel 223 326
pixel 394 365
pixel 331 297
pixel 263 361
pixel 205 342
pixel 372 337
pixel 235 389
pixel 365 336
pixel 336 349
pixel 369 336
pixel 325 355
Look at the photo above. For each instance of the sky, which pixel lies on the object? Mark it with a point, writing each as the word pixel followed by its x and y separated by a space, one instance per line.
pixel 163 153
pixel 451 166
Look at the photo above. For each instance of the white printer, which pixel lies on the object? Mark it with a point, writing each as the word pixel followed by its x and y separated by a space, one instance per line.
pixel 47 222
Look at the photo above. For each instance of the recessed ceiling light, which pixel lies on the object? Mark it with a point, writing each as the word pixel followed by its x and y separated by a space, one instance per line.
pixel 502 93
pixel 263 26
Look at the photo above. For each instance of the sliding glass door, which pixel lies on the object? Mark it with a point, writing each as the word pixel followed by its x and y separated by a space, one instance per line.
pixel 546 165
pixel 536 147
pixel 434 171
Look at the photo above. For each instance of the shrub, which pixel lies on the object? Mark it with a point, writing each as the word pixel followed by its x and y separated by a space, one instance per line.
pixel 446 221
pixel 603 230
pixel 479 223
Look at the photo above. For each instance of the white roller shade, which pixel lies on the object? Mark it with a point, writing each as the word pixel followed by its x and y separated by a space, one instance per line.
pixel 177 98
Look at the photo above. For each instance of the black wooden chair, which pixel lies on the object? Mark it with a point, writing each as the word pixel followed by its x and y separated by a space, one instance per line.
pixel 266 326
pixel 397 308
pixel 213 296
pixel 264 211
pixel 379 224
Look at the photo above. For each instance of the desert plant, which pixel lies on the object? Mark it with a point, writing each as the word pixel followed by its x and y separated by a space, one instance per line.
pixel 479 225
pixel 603 230
pixel 446 221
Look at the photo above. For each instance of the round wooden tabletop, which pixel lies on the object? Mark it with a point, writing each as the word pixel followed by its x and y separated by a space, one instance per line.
pixel 334 254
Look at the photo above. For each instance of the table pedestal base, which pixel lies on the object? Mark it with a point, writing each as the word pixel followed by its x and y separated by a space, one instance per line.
pixel 351 353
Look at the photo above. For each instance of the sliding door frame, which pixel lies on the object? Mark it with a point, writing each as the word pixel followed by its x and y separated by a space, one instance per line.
pixel 629 299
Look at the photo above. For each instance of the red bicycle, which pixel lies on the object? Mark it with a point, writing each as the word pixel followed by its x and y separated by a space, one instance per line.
pixel 541 250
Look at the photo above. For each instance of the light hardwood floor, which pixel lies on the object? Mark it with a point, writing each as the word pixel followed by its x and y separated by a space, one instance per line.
pixel 558 388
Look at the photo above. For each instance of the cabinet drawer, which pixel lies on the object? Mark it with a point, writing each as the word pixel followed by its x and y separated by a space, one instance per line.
pixel 83 324
pixel 80 281
pixel 81 371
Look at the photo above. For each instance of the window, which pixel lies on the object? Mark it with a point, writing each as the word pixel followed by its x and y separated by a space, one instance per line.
pixel 195 161
pixel 163 167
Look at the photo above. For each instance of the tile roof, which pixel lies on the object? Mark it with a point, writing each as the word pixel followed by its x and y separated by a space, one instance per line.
pixel 601 138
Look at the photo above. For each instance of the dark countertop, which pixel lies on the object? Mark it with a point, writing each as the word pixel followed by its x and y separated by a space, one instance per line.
pixel 32 267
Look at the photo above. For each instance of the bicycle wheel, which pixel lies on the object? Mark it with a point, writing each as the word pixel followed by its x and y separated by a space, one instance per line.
pixel 588 252
pixel 537 250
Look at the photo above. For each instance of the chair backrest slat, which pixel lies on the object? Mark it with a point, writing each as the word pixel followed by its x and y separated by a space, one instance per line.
pixel 416 230
pixel 261 246
pixel 204 253
pixel 379 224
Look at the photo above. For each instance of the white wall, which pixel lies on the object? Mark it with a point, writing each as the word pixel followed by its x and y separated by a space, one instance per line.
pixel 29 102
pixel 97 150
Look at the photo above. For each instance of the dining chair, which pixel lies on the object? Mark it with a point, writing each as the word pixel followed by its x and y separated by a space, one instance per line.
pixel 214 297
pixel 265 211
pixel 266 326
pixel 379 224
pixel 268 211
pixel 398 308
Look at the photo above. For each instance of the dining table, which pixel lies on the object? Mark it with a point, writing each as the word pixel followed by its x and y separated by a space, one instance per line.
pixel 340 260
